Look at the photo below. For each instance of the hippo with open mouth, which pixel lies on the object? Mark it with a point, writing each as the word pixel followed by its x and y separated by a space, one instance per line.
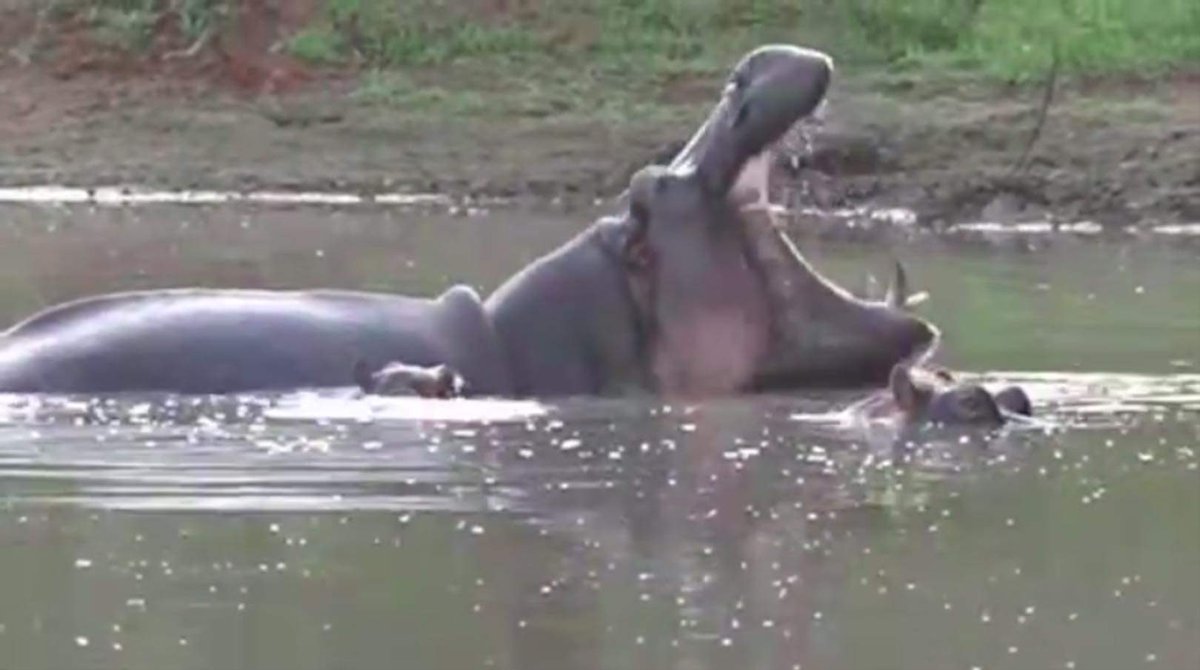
pixel 689 289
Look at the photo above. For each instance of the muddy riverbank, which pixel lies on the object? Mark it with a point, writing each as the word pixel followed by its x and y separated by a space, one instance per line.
pixel 1117 153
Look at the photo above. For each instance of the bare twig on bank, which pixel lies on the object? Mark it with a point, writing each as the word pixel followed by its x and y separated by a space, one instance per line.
pixel 1043 111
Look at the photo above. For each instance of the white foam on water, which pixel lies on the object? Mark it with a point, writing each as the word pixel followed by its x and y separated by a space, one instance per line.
pixel 1085 228
pixel 894 216
pixel 120 196
pixel 994 227
pixel 315 407
pixel 1179 230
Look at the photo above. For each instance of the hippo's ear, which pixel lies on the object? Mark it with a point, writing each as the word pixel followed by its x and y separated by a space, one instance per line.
pixel 634 227
pixel 904 390
pixel 1014 400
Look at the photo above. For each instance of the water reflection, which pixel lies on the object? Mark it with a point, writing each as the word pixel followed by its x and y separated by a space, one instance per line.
pixel 591 534
pixel 325 530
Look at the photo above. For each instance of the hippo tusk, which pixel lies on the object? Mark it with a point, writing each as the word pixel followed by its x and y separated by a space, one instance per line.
pixel 897 293
pixel 898 296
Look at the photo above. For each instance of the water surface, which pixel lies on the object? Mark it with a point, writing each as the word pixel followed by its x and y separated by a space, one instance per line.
pixel 330 531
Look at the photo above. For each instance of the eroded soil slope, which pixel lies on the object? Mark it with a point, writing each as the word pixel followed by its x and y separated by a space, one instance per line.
pixel 231 112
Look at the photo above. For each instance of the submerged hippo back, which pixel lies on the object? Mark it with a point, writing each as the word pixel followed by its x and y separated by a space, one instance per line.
pixel 220 341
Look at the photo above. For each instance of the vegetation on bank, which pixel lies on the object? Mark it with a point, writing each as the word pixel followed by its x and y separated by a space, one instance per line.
pixel 1010 39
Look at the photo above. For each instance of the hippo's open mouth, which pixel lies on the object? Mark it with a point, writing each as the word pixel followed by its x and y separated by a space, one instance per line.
pixel 752 190
pixel 818 333
pixel 799 297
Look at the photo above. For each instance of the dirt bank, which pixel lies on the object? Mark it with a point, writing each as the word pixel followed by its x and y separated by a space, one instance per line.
pixel 1113 152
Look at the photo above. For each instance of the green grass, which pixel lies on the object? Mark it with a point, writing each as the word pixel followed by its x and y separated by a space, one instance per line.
pixel 1010 39
pixel 1006 39
pixel 130 24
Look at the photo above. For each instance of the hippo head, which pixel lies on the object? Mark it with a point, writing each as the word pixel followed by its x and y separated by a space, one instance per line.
pixel 400 379
pixel 936 397
pixel 730 304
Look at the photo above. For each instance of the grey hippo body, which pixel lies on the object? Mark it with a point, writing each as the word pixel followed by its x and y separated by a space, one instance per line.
pixel 675 294
pixel 220 341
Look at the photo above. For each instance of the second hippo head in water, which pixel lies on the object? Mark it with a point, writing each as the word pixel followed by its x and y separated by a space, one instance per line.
pixel 920 397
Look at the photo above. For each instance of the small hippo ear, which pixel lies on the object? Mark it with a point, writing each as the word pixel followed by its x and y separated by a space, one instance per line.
pixel 363 377
pixel 1014 400
pixel 904 391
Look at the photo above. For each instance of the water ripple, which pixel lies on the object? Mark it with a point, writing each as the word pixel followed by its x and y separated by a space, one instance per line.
pixel 337 451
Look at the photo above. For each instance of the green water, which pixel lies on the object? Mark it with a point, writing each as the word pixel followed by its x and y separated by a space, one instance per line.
pixel 277 533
